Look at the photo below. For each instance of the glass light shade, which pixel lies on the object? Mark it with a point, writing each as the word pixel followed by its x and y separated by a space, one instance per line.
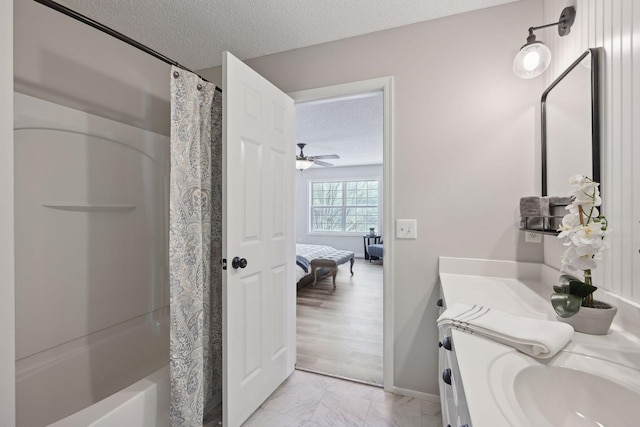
pixel 532 60
pixel 303 164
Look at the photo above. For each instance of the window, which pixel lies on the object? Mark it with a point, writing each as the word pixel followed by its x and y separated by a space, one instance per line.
pixel 343 206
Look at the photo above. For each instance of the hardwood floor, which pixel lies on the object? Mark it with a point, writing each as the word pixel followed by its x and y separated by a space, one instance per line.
pixel 340 332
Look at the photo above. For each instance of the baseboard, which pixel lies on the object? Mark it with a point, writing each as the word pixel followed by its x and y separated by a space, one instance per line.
pixel 340 377
pixel 417 394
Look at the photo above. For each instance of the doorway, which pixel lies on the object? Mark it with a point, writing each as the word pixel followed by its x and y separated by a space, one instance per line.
pixel 347 332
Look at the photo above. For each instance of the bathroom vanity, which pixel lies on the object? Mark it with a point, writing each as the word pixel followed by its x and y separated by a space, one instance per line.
pixel 487 384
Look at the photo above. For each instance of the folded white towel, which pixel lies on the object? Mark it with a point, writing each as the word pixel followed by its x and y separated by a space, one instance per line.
pixel 538 338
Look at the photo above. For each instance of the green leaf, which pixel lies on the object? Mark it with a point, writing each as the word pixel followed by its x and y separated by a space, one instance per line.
pixel 566 305
pixel 561 289
pixel 580 289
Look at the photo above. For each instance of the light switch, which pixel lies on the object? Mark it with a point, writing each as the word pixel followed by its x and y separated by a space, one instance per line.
pixel 406 229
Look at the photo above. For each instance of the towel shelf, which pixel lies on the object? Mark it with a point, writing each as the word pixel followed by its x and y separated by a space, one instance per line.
pixel 80 207
pixel 546 232
pixel 551 219
pixel 550 222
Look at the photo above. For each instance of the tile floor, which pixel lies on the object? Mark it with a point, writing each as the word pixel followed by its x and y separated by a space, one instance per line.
pixel 311 400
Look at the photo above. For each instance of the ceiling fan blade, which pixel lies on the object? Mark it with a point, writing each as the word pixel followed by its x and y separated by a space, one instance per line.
pixel 327 156
pixel 321 163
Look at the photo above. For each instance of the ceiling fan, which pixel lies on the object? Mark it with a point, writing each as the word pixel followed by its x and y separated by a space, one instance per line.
pixel 305 162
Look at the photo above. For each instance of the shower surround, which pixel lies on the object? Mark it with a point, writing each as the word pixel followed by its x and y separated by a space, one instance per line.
pixel 92 297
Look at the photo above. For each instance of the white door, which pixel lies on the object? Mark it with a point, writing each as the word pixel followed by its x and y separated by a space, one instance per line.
pixel 258 182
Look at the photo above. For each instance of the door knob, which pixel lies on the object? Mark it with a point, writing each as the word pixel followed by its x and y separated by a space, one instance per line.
pixel 238 262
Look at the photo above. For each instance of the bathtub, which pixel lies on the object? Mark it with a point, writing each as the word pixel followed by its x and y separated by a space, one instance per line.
pixel 142 404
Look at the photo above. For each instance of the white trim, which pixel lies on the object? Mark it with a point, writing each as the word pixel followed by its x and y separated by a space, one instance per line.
pixel 386 85
pixel 7 252
pixel 363 165
pixel 358 178
pixel 416 394
pixel 358 234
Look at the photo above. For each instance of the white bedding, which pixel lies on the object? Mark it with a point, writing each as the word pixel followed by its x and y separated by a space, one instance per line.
pixel 300 273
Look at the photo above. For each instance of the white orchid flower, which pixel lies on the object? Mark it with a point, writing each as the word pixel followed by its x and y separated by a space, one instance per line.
pixel 576 180
pixel 574 261
pixel 568 226
pixel 589 232
pixel 583 228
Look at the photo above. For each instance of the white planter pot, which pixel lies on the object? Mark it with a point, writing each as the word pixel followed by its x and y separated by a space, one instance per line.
pixel 594 321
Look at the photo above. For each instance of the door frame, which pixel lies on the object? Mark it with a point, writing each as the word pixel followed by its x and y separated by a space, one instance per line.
pixel 385 84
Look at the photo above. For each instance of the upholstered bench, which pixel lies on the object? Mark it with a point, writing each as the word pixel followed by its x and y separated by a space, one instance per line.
pixel 331 261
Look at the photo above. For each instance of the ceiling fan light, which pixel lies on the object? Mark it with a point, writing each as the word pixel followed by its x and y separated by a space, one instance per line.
pixel 302 164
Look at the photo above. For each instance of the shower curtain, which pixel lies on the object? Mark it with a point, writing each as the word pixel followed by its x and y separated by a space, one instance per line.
pixel 195 248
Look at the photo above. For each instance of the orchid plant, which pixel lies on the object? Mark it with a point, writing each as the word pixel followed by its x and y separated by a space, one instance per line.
pixel 584 230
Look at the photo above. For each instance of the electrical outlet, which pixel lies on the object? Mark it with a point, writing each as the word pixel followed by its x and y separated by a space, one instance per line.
pixel 406 229
pixel 532 237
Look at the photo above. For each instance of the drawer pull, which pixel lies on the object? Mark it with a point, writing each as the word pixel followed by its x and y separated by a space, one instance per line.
pixel 440 303
pixel 446 343
pixel 446 376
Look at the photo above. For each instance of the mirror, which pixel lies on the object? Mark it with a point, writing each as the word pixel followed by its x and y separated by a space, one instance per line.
pixel 571 125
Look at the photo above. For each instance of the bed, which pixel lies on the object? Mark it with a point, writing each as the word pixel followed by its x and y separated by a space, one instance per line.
pixel 319 260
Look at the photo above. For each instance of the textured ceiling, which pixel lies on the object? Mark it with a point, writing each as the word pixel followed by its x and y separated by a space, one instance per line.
pixel 196 32
pixel 350 127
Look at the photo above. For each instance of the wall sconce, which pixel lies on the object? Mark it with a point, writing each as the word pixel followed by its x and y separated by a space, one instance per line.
pixel 534 57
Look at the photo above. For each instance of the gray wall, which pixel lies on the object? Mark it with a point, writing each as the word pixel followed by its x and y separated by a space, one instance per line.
pixel 465 151
pixel 347 243
pixel 64 61
pixel 464 135
pixel 7 333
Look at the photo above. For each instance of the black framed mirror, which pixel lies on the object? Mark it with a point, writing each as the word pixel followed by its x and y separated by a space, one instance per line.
pixel 571 125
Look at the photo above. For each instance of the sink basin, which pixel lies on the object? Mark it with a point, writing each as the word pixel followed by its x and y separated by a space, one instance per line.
pixel 570 390
pixel 566 397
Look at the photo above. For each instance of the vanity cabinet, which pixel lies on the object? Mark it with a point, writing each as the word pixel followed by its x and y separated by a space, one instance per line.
pixel 504 387
pixel 455 412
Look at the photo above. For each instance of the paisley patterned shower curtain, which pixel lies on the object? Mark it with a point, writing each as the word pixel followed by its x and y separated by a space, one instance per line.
pixel 195 248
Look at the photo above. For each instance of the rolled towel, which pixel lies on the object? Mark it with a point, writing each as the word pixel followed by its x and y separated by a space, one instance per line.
pixel 559 200
pixel 557 210
pixel 534 213
pixel 537 338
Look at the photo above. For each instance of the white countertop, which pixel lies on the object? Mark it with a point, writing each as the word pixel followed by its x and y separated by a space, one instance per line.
pixel 522 294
